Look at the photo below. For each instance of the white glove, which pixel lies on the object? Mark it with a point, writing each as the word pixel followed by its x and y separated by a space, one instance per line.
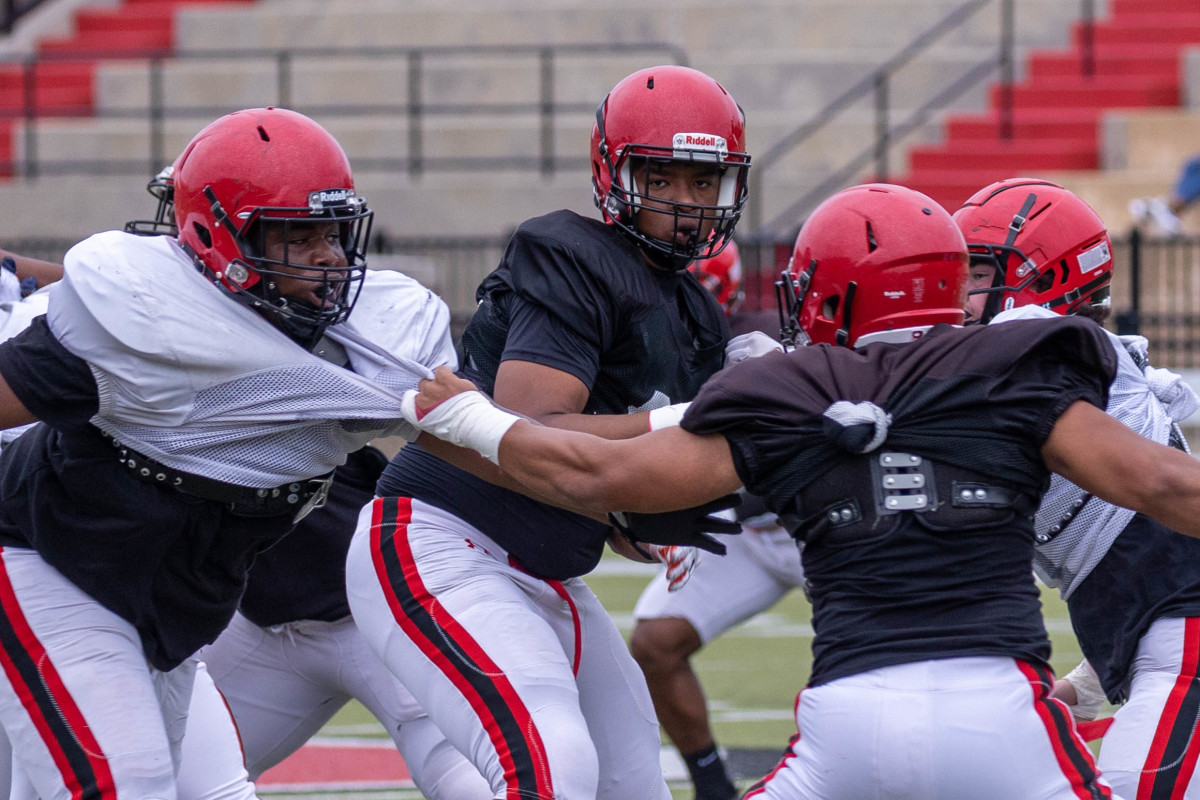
pixel 667 416
pixel 1089 693
pixel 680 562
pixel 467 420
pixel 750 345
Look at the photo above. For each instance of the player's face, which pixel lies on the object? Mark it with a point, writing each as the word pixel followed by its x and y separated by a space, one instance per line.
pixel 305 244
pixel 979 276
pixel 672 186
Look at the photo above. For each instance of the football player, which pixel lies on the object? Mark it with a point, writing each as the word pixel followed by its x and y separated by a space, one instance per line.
pixel 21 301
pixel 472 594
pixel 910 459
pixel 195 392
pixel 291 657
pixel 1132 586
pixel 680 612
pixel 285 677
pixel 17 309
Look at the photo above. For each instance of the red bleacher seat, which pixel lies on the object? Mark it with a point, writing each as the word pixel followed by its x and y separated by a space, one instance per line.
pixel 1056 109
pixel 63 82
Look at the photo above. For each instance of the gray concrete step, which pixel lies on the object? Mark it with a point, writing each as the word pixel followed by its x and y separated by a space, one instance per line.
pixel 697 25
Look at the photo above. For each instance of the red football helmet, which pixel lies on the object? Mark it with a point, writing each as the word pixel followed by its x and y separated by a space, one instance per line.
pixel 260 174
pixel 162 188
pixel 1049 247
pixel 662 115
pixel 722 276
pixel 873 263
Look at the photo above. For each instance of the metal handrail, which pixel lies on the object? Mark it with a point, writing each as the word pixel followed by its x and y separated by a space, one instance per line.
pixel 886 134
pixel 414 104
pixel 841 176
pixel 876 83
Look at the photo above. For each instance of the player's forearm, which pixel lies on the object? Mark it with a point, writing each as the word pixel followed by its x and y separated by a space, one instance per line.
pixel 667 470
pixel 44 272
pixel 575 469
pixel 1170 491
pixel 606 426
pixel 1102 456
pixel 12 411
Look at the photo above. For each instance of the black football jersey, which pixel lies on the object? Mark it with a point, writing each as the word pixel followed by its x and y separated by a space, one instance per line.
pixel 978 402
pixel 1150 572
pixel 574 294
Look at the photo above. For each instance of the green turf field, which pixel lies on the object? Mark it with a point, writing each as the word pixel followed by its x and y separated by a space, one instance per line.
pixel 752 673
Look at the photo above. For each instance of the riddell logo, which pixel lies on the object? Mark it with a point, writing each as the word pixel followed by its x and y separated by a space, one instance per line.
pixel 700 141
pixel 330 197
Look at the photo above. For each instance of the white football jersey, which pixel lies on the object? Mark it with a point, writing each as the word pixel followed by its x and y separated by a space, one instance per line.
pixel 202 383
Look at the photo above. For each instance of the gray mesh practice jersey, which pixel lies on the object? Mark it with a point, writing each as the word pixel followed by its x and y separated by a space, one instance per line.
pixel 143 347
pixel 1067 558
pixel 209 386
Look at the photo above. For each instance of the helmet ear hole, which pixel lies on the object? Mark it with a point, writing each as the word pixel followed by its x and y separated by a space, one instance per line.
pixel 829 308
pixel 1045 281
pixel 203 234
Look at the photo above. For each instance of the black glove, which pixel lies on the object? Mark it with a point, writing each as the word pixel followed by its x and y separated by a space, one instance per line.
pixel 689 527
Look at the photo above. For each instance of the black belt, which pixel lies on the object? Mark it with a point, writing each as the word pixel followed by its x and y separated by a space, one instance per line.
pixel 298 498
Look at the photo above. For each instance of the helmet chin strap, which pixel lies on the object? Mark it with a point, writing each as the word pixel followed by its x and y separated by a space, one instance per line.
pixel 672 260
pixel 666 254
pixel 842 336
pixel 304 332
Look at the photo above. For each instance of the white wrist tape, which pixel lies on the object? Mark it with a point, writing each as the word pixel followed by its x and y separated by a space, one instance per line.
pixel 667 416
pixel 467 420
pixel 1089 693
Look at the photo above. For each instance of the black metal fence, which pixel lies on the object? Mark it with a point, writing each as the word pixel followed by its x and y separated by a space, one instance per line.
pixel 415 100
pixel 1156 288
pixel 1157 294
